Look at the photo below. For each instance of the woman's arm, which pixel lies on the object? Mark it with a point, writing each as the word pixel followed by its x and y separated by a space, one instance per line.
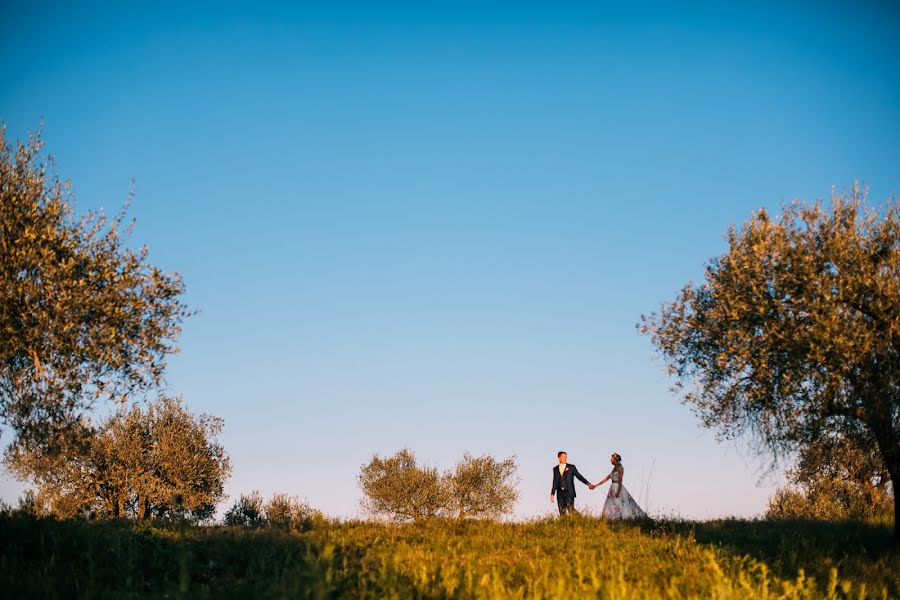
pixel 621 474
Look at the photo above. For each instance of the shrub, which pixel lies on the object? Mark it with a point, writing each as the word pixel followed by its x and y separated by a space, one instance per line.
pixel 400 489
pixel 482 486
pixel 247 511
pixel 828 499
pixel 290 513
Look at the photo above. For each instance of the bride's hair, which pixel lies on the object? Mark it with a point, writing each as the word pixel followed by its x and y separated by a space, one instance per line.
pixel 618 458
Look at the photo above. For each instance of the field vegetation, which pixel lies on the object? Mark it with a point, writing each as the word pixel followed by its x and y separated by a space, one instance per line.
pixel 578 556
pixel 789 343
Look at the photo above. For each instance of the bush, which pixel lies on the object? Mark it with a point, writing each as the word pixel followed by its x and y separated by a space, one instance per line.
pixel 247 511
pixel 290 513
pixel 828 499
pixel 398 488
pixel 481 486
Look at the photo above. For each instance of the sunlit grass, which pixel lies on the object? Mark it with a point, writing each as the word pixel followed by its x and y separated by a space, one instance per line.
pixel 571 558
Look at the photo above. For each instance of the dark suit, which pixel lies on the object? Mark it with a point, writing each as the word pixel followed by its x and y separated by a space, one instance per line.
pixel 564 487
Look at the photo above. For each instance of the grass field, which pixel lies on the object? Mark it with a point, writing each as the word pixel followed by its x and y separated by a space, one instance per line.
pixel 578 557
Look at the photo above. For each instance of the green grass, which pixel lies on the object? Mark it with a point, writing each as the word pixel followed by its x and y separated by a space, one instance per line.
pixel 577 557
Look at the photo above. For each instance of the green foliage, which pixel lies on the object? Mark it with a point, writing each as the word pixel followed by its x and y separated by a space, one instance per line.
pixel 82 315
pixel 794 334
pixel 826 503
pixel 28 503
pixel 290 513
pixel 158 462
pixel 398 488
pixel 829 500
pixel 281 511
pixel 247 511
pixel 481 486
pixel 571 558
pixel 835 479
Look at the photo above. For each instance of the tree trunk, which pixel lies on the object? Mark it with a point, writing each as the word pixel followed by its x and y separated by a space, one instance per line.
pixel 893 464
pixel 142 508
pixel 890 451
pixel 896 518
pixel 887 439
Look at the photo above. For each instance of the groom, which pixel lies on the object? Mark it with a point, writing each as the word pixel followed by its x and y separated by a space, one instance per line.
pixel 564 484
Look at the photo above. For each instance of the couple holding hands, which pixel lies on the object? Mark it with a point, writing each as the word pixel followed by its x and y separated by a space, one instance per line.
pixel 619 503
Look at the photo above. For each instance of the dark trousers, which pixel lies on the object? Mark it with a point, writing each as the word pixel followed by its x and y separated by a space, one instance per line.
pixel 566 503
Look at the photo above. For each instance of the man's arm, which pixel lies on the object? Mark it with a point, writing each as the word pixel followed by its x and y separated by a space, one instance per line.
pixel 579 476
pixel 555 483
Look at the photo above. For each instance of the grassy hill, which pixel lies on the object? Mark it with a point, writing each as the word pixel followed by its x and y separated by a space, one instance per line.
pixel 578 557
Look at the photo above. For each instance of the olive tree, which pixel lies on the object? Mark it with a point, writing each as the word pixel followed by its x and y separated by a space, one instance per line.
pixel 82 315
pixel 794 332
pixel 482 486
pixel 247 511
pixel 290 513
pixel 158 462
pixel 398 488
pixel 281 511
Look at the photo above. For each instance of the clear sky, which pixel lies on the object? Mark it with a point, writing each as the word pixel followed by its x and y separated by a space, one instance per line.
pixel 436 225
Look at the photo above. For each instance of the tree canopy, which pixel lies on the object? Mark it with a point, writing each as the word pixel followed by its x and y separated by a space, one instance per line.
pixel 158 462
pixel 82 315
pixel 794 333
pixel 281 511
pixel 399 488
pixel 482 486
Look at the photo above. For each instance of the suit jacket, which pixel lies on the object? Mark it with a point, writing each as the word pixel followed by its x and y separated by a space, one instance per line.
pixel 567 481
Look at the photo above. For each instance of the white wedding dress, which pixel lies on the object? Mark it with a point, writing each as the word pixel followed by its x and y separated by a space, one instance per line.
pixel 623 506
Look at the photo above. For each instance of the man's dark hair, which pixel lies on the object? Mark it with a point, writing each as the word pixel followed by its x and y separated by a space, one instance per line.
pixel 560 453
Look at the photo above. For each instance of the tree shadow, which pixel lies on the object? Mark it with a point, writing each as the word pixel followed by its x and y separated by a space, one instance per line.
pixel 858 550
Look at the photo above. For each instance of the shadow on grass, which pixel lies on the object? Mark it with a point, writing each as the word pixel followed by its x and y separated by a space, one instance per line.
pixel 41 557
pixel 47 558
pixel 864 551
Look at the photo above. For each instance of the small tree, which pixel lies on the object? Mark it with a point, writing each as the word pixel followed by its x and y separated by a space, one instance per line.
pixel 82 315
pixel 398 488
pixel 794 333
pixel 139 464
pixel 482 486
pixel 290 513
pixel 28 503
pixel 247 511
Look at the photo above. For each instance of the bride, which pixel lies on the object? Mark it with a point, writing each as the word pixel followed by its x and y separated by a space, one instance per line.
pixel 619 503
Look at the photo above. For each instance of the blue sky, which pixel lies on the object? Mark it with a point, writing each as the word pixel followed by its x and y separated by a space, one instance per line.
pixel 435 226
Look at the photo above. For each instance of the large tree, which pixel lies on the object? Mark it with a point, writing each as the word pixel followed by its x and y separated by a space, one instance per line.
pixel 82 315
pixel 158 462
pixel 794 333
